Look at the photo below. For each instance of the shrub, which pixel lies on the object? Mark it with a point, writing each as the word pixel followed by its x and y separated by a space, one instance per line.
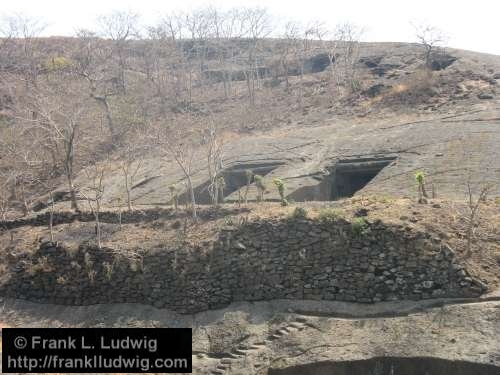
pixel 359 227
pixel 422 193
pixel 58 63
pixel 420 177
pixel 280 184
pixel 329 215
pixel 299 213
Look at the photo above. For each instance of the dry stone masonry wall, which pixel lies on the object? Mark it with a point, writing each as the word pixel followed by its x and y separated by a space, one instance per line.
pixel 272 259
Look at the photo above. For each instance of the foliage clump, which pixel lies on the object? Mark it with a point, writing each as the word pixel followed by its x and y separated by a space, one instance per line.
pixel 299 213
pixel 329 215
pixel 58 63
pixel 280 185
pixel 359 227
pixel 422 193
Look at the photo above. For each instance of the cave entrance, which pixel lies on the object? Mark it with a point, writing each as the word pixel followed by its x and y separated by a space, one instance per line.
pixel 235 178
pixel 349 176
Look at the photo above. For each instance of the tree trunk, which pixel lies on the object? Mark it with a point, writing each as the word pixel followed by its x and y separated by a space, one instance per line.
pixel 51 217
pixel 98 226
pixel 74 203
pixel 127 187
pixel 191 193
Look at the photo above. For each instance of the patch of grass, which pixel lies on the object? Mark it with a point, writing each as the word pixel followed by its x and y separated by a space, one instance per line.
pixel 329 215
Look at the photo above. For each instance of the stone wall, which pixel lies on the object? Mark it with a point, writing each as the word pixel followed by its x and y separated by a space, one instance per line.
pixel 272 259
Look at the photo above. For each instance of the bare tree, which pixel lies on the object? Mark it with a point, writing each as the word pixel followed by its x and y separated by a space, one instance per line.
pixel 183 152
pixel 347 36
pixel 130 165
pixel 431 38
pixel 92 58
pixel 94 193
pixel 257 25
pixel 58 123
pixel 120 27
pixel 288 49
pixel 4 196
pixel 21 33
pixel 215 146
pixel 473 206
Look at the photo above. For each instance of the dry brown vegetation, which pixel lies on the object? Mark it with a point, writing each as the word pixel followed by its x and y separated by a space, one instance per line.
pixel 125 89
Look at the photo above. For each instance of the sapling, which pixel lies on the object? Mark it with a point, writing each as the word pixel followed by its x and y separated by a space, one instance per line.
pixel 221 184
pixel 422 193
pixel 174 196
pixel 281 190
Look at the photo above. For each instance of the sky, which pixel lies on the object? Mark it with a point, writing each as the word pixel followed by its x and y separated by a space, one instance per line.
pixel 472 25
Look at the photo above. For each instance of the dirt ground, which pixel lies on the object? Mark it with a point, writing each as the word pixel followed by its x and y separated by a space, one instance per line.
pixel 249 338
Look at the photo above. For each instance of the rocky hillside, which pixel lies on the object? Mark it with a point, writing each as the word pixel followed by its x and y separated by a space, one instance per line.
pixel 367 113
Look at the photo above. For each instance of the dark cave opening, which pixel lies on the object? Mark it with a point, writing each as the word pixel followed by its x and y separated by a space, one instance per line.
pixel 349 176
pixel 236 177
pixel 343 179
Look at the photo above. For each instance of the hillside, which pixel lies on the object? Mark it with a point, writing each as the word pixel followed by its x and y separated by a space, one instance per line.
pixel 419 119
pixel 271 194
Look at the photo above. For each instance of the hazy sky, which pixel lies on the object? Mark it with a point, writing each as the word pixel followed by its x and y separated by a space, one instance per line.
pixel 473 25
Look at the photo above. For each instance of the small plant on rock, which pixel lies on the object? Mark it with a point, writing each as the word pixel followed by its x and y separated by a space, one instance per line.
pixel 422 193
pixel 328 215
pixel 280 185
pixel 359 227
pixel 299 213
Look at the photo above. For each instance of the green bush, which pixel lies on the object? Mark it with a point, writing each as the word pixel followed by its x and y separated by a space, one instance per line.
pixel 422 193
pixel 299 213
pixel 359 227
pixel 420 177
pixel 280 184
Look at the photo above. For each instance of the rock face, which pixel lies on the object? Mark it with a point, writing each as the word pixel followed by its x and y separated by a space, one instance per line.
pixel 274 259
